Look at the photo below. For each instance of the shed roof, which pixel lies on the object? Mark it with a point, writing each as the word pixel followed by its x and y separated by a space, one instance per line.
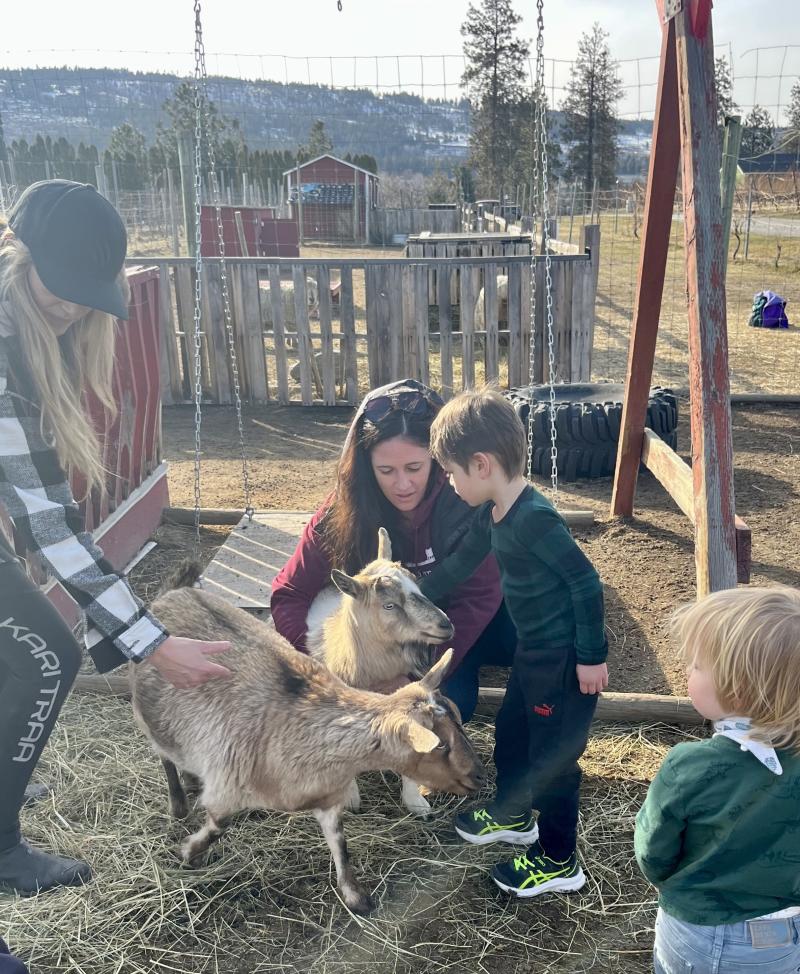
pixel 327 155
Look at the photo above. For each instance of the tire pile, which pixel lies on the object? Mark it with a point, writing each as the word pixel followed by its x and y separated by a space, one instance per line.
pixel 588 422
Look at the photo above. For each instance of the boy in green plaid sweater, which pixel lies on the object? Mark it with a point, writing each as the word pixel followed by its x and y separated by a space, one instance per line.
pixel 555 599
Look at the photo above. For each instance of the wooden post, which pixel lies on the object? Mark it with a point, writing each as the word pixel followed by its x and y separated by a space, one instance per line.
pixel 173 220
pixel 664 159
pixel 185 157
pixel 749 216
pixel 712 447
pixel 732 140
pixel 300 235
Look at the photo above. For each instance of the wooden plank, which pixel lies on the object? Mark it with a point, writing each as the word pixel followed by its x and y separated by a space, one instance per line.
pixel 527 326
pixel 467 301
pixel 670 470
pixel 517 366
pixel 372 278
pixel 170 367
pixel 590 237
pixel 675 475
pixel 445 332
pixel 421 323
pixel 712 445
pixel 410 363
pixel 394 278
pixel 184 302
pixel 305 350
pixel 216 334
pixel 243 353
pixel 329 377
pixel 255 551
pixel 253 334
pixel 347 323
pixel 634 708
pixel 562 323
pixel 656 227
pixel 491 312
pixel 471 260
pixel 275 299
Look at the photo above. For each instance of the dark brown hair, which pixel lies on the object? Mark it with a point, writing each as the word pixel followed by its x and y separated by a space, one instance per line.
pixel 479 421
pixel 359 508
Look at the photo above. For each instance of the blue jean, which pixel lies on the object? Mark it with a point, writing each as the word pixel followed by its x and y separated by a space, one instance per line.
pixel 494 647
pixel 752 947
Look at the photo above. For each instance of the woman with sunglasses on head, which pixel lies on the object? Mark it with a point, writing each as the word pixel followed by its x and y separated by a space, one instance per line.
pixel 387 478
pixel 62 285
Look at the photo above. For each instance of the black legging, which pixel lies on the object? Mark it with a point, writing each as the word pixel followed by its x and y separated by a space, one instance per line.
pixel 39 660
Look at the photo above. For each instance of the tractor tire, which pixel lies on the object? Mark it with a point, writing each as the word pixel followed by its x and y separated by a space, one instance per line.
pixel 588 419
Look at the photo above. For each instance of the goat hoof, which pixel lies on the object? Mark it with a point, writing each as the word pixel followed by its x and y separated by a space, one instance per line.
pixel 360 902
pixel 178 809
pixel 192 852
pixel 419 806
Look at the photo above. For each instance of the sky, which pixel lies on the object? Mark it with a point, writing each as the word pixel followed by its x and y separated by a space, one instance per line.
pixel 414 44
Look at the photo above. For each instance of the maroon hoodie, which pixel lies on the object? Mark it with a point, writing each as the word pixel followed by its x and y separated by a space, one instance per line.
pixel 470 607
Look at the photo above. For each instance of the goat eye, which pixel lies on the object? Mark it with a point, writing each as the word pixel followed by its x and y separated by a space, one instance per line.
pixel 444 746
pixel 388 605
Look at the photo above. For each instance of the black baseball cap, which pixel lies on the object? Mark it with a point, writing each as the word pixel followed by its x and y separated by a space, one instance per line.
pixel 77 242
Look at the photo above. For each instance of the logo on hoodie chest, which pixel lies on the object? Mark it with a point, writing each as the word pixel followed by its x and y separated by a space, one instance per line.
pixel 430 559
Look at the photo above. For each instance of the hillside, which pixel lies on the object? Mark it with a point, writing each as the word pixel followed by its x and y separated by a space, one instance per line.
pixel 402 131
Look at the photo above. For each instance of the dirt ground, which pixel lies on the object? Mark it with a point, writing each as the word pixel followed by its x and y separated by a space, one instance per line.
pixel 647 565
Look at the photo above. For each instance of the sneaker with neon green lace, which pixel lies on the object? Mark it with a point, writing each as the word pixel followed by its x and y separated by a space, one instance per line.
pixel 482 826
pixel 535 873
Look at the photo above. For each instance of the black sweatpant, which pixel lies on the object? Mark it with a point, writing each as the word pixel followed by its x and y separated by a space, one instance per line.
pixel 541 731
pixel 39 660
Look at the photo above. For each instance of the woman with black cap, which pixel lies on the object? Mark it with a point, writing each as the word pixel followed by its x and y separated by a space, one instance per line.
pixel 62 285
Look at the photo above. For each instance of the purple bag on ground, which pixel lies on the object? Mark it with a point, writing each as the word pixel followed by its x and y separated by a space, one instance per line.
pixel 769 311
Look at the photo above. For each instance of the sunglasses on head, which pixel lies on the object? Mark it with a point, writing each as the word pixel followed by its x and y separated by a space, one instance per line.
pixel 411 402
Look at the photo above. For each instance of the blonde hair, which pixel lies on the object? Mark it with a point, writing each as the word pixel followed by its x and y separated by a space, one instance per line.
pixel 61 369
pixel 749 640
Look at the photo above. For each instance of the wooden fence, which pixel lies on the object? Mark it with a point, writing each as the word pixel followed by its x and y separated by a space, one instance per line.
pixel 386 222
pixel 376 322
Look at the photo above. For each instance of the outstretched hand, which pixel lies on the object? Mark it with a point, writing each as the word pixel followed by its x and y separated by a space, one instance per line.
pixel 592 679
pixel 184 662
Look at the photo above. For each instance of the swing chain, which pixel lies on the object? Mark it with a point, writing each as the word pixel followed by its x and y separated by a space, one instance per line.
pixel 226 301
pixel 339 5
pixel 542 119
pixel 198 265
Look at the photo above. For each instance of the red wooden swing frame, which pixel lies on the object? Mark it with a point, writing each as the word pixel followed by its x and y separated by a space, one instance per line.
pixel 684 132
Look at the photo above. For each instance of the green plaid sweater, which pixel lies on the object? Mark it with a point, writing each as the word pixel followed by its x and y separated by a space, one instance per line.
pixel 553 593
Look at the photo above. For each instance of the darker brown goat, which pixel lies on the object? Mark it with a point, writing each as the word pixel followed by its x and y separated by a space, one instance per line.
pixel 284 733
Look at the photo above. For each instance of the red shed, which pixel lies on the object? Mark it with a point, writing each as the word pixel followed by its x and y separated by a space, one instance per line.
pixel 332 199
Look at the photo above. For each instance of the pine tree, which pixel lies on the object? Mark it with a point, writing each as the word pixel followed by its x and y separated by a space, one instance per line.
pixel 494 79
pixel 319 143
pixel 758 133
pixel 793 113
pixel 128 147
pixel 724 86
pixel 591 123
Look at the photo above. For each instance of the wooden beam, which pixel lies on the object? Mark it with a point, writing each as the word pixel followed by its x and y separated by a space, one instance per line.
pixel 633 708
pixel 712 447
pixel 622 707
pixel 650 283
pixel 676 477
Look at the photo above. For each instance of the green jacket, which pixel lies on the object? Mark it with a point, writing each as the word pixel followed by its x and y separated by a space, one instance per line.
pixel 719 833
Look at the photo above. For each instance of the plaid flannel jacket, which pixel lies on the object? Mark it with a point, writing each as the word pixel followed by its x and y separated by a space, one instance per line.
pixel 37 497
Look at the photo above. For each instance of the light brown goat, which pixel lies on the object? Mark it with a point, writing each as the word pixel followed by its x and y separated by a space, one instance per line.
pixel 373 628
pixel 285 733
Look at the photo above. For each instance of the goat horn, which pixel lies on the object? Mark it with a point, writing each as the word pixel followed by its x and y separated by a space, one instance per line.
pixel 384 544
pixel 433 678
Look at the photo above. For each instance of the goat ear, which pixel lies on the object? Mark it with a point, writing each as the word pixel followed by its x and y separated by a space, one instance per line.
pixel 421 739
pixel 346 584
pixel 384 544
pixel 433 678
